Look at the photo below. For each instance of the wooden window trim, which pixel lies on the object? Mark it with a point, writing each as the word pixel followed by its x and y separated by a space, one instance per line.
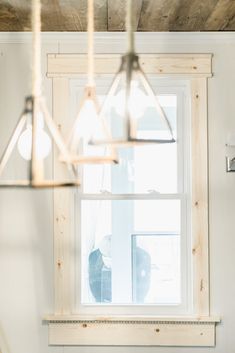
pixel 64 326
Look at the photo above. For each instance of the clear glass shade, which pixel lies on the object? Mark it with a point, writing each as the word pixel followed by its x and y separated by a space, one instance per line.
pixel 137 101
pixel 43 141
pixel 87 126
pixel 130 96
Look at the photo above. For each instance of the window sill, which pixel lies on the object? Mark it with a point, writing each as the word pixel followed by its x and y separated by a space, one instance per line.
pixel 131 331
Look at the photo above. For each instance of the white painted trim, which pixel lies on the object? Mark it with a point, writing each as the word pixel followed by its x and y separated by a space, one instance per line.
pixel 141 37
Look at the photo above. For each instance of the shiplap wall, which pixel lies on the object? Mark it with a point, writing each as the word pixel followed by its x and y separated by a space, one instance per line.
pixel 26 217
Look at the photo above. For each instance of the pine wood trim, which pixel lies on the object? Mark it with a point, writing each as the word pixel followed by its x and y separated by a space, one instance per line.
pixel 200 244
pixel 133 334
pixel 70 65
pixel 177 332
pixel 63 209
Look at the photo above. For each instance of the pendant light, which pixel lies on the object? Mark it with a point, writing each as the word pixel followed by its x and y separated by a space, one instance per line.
pixel 88 123
pixel 131 94
pixel 34 143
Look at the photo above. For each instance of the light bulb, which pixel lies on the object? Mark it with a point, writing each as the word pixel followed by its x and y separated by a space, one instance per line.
pixel 137 101
pixel 43 143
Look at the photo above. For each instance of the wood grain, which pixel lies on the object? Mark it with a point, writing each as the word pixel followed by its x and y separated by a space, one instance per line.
pixel 22 10
pixel 132 334
pixel 8 16
pixel 222 17
pixel 117 14
pixel 191 15
pixel 149 15
pixel 68 65
pixel 156 15
pixel 71 15
pixel 200 197
pixel 63 200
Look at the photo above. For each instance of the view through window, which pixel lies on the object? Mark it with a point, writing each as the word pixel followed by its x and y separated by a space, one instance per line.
pixel 134 226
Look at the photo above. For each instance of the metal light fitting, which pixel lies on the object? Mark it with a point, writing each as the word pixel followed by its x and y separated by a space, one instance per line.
pixel 230 165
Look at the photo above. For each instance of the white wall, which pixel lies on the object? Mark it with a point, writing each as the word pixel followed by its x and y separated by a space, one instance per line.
pixel 26 228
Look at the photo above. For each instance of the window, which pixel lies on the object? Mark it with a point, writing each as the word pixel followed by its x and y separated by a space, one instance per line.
pixel 133 222
pixel 154 288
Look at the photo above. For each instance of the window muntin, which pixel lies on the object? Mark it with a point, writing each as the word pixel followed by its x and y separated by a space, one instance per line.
pixel 99 200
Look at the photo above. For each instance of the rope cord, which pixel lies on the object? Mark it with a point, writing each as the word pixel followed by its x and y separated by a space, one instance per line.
pixel 36 60
pixel 129 27
pixel 90 33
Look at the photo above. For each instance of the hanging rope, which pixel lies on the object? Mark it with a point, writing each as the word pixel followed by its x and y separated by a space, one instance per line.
pixel 129 27
pixel 90 33
pixel 36 62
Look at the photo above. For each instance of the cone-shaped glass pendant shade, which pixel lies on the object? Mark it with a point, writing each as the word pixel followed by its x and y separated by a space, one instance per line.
pixel 33 143
pixel 33 137
pixel 89 125
pixel 131 96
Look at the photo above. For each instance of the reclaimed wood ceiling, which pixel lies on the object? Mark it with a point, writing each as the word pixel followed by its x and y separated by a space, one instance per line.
pixel 150 15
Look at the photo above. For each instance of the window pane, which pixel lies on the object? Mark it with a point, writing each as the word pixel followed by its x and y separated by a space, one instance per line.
pixel 157 215
pixel 96 259
pixel 120 266
pixel 144 168
pixel 156 269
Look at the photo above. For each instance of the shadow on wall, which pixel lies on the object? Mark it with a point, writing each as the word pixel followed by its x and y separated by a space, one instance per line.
pixel 4 347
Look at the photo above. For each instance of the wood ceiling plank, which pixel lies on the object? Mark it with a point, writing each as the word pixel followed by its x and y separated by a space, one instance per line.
pixel 230 25
pixel 117 14
pixel 175 15
pixel 52 17
pixel 74 15
pixel 149 15
pixel 156 15
pixel 101 15
pixel 222 17
pixel 191 15
pixel 23 11
pixel 57 15
pixel 13 16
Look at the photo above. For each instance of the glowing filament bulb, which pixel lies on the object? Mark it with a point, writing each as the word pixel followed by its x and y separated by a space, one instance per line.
pixel 43 142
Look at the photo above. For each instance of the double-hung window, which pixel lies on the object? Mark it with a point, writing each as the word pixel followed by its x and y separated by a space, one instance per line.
pixel 131 245
pixel 133 220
